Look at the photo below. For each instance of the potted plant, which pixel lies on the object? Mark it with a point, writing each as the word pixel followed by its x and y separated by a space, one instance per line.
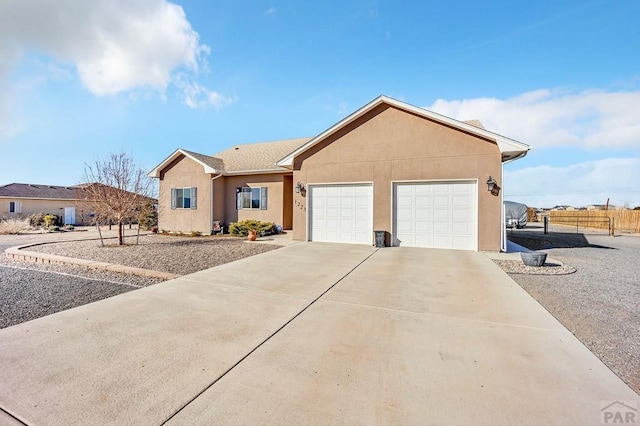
pixel 533 258
pixel 253 235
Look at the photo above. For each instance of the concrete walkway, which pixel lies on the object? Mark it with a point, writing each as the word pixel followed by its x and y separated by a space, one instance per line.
pixel 309 334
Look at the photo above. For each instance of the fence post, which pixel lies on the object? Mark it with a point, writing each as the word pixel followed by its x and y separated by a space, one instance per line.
pixel 612 226
pixel 546 225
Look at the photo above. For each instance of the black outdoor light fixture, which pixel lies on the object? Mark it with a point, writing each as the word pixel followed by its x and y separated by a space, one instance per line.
pixel 492 186
pixel 299 187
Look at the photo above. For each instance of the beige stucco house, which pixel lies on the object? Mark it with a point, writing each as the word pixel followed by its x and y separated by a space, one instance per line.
pixel 24 199
pixel 425 179
pixel 69 203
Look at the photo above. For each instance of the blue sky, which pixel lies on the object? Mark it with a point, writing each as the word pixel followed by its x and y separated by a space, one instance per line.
pixel 80 80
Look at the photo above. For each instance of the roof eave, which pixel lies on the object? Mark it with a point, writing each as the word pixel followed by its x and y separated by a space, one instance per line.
pixel 155 173
pixel 504 144
pixel 256 172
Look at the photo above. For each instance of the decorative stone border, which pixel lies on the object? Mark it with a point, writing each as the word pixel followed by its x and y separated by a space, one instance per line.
pixel 19 253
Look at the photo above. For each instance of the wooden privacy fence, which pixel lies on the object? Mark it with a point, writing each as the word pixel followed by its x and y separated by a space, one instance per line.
pixel 620 220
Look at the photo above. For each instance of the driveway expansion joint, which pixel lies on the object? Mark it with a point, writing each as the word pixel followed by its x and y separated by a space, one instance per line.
pixel 206 388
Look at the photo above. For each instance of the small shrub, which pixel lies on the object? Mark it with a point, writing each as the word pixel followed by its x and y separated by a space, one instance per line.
pixel 49 220
pixel 241 229
pixel 36 220
pixel 69 228
pixel 13 226
pixel 196 233
pixel 54 228
pixel 147 216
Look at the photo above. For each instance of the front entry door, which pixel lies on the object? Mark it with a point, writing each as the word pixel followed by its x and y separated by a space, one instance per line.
pixel 69 215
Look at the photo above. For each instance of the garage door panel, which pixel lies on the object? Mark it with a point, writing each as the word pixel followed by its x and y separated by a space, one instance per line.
pixel 422 241
pixel 460 215
pixel 460 201
pixel 460 228
pixel 346 201
pixel 435 214
pixel 405 227
pixel 442 215
pixel 441 228
pixel 421 214
pixel 423 201
pixel 441 201
pixel 341 213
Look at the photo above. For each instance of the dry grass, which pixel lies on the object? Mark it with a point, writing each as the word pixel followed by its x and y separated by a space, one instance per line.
pixel 13 226
pixel 624 220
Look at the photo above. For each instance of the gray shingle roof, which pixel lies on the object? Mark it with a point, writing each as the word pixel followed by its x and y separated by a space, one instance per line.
pixel 26 190
pixel 251 157
pixel 258 156
pixel 210 161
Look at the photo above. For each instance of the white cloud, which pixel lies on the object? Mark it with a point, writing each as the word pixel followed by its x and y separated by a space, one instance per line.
pixel 198 96
pixel 580 184
pixel 114 46
pixel 271 11
pixel 550 118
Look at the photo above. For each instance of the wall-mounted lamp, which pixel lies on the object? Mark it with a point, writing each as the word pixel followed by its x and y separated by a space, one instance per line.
pixel 299 188
pixel 492 186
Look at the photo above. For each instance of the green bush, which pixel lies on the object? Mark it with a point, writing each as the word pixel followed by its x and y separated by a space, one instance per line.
pixel 147 216
pixel 241 229
pixel 49 220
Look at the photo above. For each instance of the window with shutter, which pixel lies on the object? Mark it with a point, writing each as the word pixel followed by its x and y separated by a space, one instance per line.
pixel 251 198
pixel 263 198
pixel 184 198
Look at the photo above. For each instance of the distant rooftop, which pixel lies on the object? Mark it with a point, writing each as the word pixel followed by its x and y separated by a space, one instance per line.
pixel 29 190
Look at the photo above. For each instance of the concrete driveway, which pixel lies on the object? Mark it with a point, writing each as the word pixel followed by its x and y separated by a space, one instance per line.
pixel 311 333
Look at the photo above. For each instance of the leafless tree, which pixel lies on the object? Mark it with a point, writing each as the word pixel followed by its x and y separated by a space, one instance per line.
pixel 115 190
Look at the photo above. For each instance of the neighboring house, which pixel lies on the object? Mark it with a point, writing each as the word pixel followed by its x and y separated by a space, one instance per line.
pixel 23 199
pixel 67 202
pixel 421 177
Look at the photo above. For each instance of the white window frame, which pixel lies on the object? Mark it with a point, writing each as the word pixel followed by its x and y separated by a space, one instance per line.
pixel 177 194
pixel 17 207
pixel 251 198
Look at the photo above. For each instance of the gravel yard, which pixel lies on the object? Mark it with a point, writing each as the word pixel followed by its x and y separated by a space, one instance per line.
pixel 600 302
pixel 177 255
pixel 32 290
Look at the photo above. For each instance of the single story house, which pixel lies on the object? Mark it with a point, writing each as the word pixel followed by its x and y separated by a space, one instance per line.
pixel 69 203
pixel 424 179
pixel 24 199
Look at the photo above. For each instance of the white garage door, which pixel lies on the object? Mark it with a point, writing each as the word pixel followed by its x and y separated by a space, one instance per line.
pixel 341 213
pixel 435 214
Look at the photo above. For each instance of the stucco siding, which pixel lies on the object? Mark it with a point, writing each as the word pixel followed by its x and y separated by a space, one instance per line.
pixel 388 145
pixel 275 198
pixel 31 206
pixel 185 173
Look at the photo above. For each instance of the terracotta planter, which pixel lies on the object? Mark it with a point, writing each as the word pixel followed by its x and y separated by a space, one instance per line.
pixel 253 235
